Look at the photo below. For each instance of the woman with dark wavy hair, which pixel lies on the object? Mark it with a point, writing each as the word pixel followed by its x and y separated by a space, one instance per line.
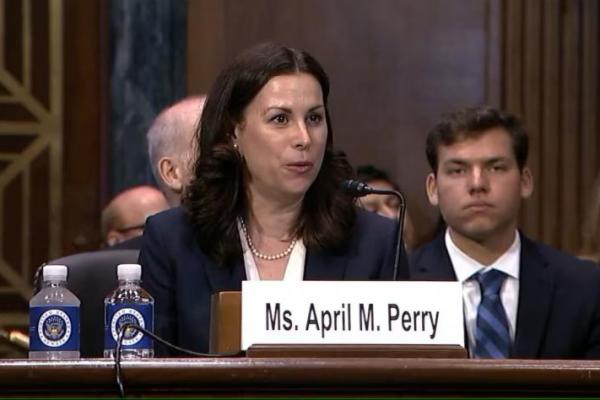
pixel 265 202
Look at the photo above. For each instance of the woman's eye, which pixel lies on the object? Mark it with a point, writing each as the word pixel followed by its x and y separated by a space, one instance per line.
pixel 314 119
pixel 280 119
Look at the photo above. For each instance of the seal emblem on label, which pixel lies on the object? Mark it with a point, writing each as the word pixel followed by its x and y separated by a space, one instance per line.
pixel 54 328
pixel 127 316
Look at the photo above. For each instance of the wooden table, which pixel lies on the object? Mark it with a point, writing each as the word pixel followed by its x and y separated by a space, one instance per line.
pixel 359 377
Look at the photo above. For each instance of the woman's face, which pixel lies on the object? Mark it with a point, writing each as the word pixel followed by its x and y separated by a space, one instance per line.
pixel 283 136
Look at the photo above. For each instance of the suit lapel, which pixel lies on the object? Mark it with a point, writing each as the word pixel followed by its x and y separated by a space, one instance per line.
pixel 324 266
pixel 432 263
pixel 536 286
pixel 227 277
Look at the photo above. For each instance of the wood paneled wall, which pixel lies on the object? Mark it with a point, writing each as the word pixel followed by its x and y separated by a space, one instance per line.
pixel 85 33
pixel 551 79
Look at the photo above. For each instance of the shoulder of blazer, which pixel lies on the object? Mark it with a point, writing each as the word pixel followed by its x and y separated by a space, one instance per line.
pixel 432 262
pixel 566 267
pixel 370 227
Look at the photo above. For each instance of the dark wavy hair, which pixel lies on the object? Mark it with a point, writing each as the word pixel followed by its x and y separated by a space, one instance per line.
pixel 217 196
pixel 471 123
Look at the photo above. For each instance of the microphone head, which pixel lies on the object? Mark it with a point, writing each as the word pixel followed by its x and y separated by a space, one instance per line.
pixel 356 188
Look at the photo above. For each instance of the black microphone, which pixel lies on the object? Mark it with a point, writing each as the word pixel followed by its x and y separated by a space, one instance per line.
pixel 360 189
pixel 356 188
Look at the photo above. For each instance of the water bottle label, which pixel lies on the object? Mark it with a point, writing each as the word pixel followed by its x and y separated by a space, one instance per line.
pixel 118 315
pixel 54 328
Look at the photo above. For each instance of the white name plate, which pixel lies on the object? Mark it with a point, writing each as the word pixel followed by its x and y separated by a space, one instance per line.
pixel 351 312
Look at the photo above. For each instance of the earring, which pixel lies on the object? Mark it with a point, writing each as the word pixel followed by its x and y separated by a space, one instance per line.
pixel 235 146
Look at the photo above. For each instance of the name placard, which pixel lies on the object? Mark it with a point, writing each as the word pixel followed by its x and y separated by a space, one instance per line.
pixel 345 312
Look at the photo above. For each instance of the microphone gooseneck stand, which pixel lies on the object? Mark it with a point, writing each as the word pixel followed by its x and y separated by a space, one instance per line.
pixel 361 189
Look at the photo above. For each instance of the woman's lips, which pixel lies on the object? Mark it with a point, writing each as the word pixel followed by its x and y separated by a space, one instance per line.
pixel 299 167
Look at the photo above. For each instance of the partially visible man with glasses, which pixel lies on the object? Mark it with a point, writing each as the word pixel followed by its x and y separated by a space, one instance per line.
pixel 385 205
pixel 124 217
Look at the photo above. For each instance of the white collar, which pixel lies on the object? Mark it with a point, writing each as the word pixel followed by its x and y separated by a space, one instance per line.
pixel 465 266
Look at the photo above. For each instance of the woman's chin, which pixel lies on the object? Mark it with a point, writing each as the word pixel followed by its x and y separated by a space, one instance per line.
pixel 295 192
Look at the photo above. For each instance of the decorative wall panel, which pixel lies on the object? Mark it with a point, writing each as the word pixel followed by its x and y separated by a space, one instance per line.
pixel 31 117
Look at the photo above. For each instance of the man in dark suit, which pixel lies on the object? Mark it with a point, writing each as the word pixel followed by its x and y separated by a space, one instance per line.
pixel 522 299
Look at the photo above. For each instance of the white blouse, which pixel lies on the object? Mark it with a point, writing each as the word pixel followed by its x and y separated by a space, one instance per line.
pixel 294 271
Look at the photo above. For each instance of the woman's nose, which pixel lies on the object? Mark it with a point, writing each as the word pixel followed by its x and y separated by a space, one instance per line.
pixel 302 137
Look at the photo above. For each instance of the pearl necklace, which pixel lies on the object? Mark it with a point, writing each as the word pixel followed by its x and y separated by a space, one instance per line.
pixel 269 257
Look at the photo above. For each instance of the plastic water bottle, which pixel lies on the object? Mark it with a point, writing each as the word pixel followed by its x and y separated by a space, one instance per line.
pixel 129 303
pixel 54 318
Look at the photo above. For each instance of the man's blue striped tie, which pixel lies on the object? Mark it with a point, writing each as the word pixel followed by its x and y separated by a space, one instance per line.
pixel 492 337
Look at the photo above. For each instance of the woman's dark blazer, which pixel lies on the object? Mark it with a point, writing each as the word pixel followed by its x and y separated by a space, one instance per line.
pixel 181 277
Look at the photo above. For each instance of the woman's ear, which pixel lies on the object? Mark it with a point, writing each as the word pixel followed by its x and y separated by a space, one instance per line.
pixel 235 138
pixel 236 132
